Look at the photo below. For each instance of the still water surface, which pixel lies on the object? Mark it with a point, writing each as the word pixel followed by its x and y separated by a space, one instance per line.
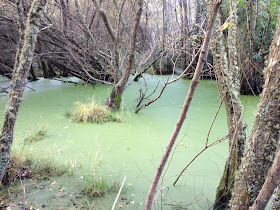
pixel 132 148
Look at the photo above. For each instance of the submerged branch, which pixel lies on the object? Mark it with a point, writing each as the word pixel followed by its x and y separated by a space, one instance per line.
pixel 167 83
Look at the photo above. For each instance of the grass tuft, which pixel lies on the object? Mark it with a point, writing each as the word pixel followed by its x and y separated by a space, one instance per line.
pixel 92 112
pixel 36 136
pixel 97 186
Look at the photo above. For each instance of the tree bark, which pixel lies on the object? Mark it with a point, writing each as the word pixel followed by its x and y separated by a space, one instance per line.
pixel 264 137
pixel 227 74
pixel 275 202
pixel 194 83
pixel 21 70
pixel 269 185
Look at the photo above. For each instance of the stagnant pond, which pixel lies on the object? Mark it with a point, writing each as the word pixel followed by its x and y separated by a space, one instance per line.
pixel 132 148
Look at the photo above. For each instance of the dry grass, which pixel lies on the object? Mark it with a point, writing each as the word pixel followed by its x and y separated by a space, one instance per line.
pixel 92 112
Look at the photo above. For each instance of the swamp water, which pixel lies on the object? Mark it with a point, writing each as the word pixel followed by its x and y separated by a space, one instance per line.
pixel 132 148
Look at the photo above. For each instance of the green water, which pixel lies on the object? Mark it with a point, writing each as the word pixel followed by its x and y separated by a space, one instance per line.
pixel 132 148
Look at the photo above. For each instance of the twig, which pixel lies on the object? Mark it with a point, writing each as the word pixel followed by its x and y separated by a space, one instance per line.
pixel 206 144
pixel 46 27
pixel 167 83
pixel 212 123
pixel 118 193
pixel 139 74
pixel 30 88
pixel 206 147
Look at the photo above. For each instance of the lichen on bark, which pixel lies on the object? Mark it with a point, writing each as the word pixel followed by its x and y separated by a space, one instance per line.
pixel 227 74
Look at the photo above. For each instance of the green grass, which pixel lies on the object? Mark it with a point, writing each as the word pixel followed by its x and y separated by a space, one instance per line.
pixel 94 186
pixel 92 112
pixel 37 135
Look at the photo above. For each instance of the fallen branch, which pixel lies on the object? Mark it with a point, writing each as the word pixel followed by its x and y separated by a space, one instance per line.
pixel 4 89
pixel 139 74
pixel 66 81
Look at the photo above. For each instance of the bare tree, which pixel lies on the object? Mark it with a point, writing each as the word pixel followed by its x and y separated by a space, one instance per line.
pixel 115 97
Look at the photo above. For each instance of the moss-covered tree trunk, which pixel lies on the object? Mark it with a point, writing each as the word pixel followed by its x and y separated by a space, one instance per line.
pixel 227 74
pixel 115 98
pixel 21 70
pixel 264 137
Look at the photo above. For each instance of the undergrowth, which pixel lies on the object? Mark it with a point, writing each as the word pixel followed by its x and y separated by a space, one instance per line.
pixel 29 168
pixel 37 135
pixel 92 112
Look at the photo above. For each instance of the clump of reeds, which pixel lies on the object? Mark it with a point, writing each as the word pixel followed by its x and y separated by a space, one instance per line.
pixel 92 112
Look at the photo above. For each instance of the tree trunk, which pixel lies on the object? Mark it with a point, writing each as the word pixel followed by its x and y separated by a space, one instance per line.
pixel 275 202
pixel 264 137
pixel 184 33
pixel 227 74
pixel 114 101
pixel 32 76
pixel 63 17
pixel 47 69
pixel 185 108
pixel 165 24
pixel 21 70
pixel 270 184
